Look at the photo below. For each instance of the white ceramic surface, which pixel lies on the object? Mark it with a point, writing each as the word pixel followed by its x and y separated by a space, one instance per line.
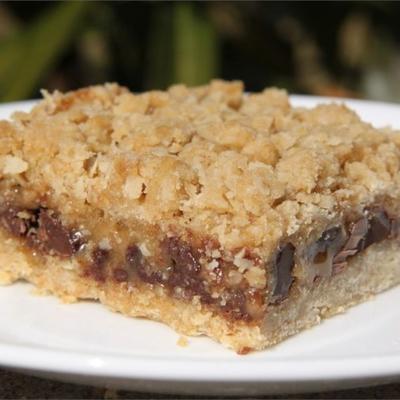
pixel 86 343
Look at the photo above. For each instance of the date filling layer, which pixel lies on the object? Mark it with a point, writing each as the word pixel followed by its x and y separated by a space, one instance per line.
pixel 199 272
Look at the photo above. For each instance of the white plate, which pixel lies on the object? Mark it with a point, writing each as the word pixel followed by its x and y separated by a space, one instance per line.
pixel 85 343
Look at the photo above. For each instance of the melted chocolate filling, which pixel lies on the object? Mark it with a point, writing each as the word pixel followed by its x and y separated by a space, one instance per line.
pixel 42 229
pixel 120 275
pixel 379 228
pixel 374 227
pixel 283 267
pixel 100 258
pixel 325 242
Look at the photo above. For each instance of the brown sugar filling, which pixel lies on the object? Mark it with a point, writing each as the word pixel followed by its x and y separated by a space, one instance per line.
pixel 182 268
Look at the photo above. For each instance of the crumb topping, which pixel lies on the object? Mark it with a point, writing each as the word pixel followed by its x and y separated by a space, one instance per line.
pixel 246 169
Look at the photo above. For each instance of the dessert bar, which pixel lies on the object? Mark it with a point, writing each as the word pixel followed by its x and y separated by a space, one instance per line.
pixel 217 212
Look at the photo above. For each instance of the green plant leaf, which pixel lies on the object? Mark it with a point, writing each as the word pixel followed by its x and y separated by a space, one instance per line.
pixel 195 46
pixel 159 50
pixel 26 57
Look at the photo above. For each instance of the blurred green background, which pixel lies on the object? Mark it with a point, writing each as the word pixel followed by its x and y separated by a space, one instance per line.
pixel 325 48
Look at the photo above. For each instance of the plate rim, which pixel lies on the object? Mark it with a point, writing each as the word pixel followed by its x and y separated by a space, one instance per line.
pixel 197 370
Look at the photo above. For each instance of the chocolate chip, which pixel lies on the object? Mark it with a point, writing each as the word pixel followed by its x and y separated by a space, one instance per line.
pixel 42 229
pixel 283 267
pixel 328 241
pixel 395 228
pixel 100 256
pixel 120 275
pixel 183 270
pixel 16 225
pixel 184 266
pixel 53 236
pixel 379 228
pixel 319 255
pixel 330 235
pixel 362 234
pixel 133 256
pixel 355 243
pixel 97 267
pixel 235 304
pixel 136 264
pixel 182 255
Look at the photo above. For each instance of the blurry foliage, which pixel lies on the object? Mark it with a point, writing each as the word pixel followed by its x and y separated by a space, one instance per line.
pixel 28 54
pixel 326 48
